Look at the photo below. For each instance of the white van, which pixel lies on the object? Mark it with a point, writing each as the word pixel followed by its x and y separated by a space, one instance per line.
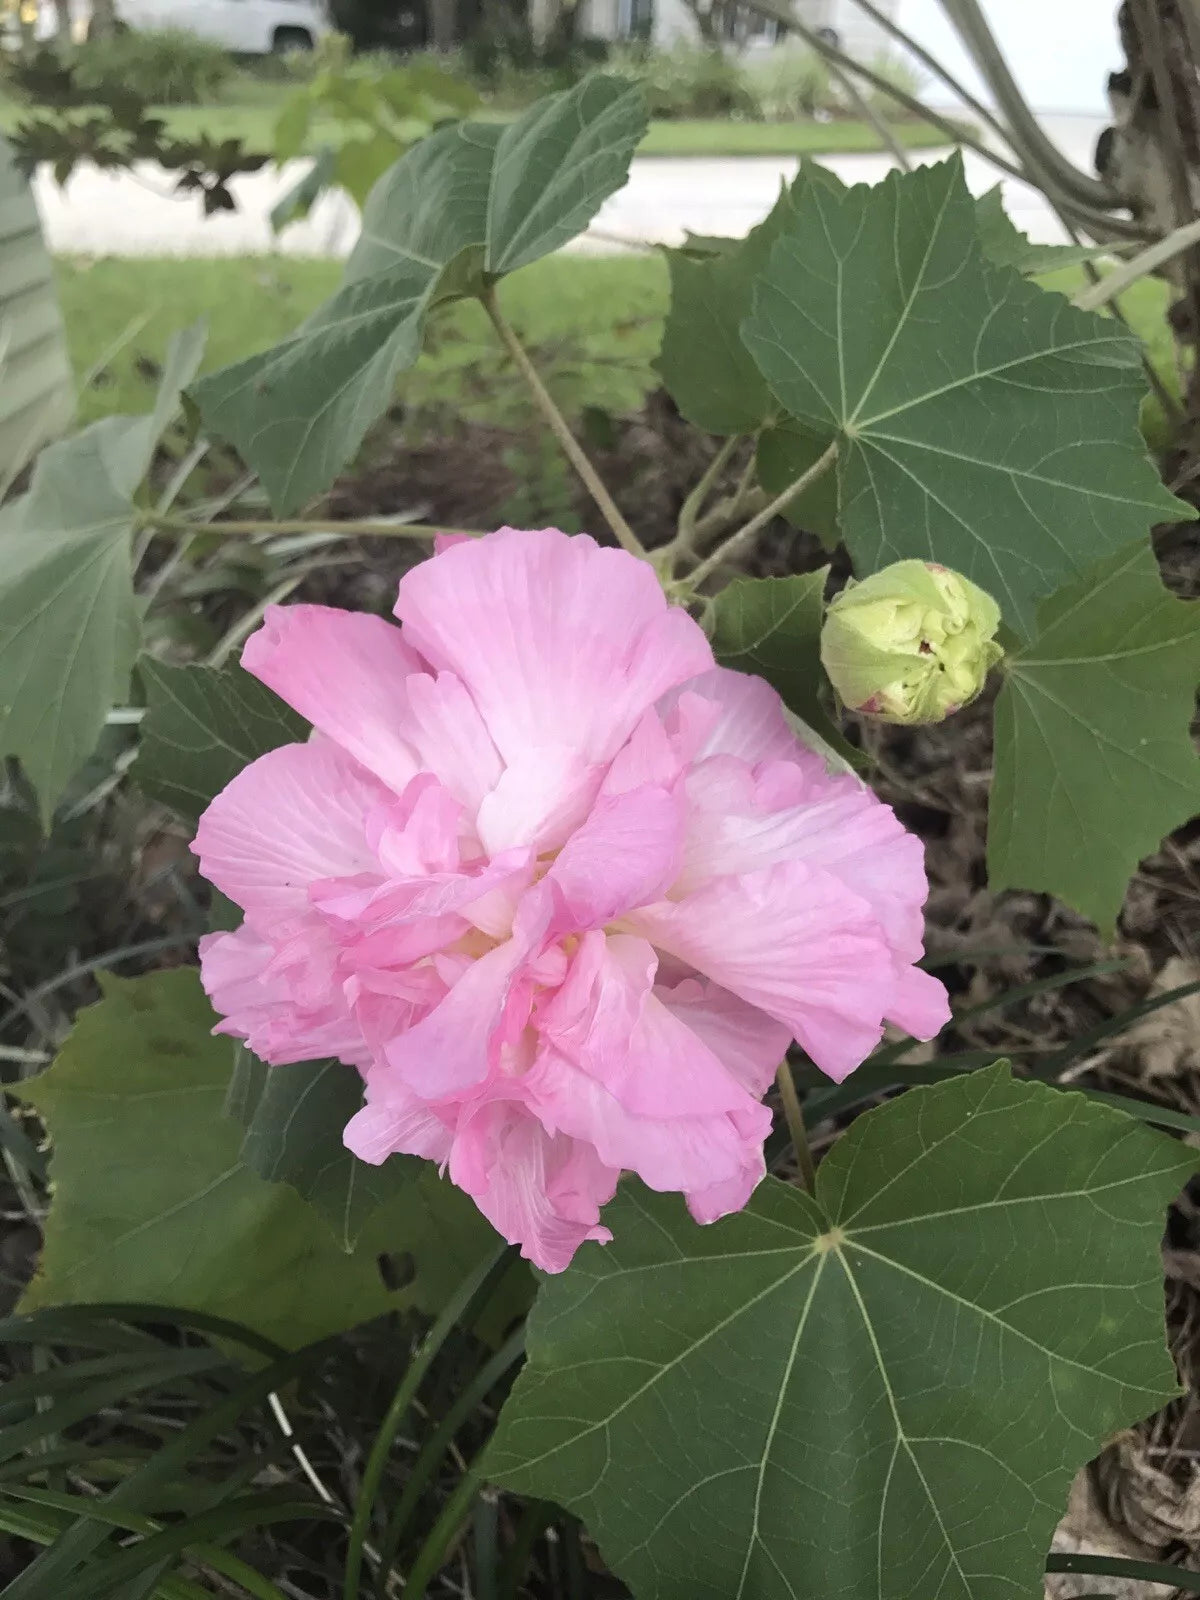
pixel 245 27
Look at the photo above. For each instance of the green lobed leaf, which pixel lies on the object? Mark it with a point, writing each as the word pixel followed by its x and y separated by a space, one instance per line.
pixel 704 365
pixel 1094 762
pixel 878 1394
pixel 772 627
pixel 470 203
pixel 37 390
pixel 69 625
pixel 786 451
pixel 981 421
pixel 293 1116
pixel 202 726
pixel 1005 245
pixel 152 1202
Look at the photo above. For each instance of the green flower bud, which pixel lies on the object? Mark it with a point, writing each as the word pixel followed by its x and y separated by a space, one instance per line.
pixel 910 644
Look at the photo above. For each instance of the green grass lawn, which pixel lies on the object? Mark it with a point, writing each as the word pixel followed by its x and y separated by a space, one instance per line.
pixel 249 106
pixel 721 137
pixel 595 323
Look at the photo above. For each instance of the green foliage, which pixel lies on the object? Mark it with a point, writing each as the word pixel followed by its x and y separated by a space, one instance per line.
pixel 772 627
pixel 789 84
pixel 69 625
pixel 185 1223
pixel 379 110
pixel 1094 759
pixel 1004 245
pixel 36 399
pixel 293 1116
pixel 713 379
pixel 167 67
pixel 884 1390
pixel 462 208
pixel 690 81
pixel 1007 446
pixel 202 726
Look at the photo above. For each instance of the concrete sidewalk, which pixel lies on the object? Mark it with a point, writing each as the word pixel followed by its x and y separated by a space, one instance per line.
pixel 131 214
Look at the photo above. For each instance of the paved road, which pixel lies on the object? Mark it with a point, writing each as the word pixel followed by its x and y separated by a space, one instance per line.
pixel 131 214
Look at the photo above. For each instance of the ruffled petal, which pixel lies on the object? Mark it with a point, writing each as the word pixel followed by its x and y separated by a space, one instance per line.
pixel 283 1009
pixel 346 673
pixel 454 1048
pixel 394 1121
pixel 739 822
pixel 727 713
pixel 606 1020
pixel 295 815
pixel 748 1043
pixel 919 1003
pixel 538 1190
pixel 626 854
pixel 717 1200
pixel 794 942
pixel 543 795
pixel 557 640
pixel 443 725
pixel 677 1151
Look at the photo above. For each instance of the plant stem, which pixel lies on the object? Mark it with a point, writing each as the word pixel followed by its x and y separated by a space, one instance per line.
pixel 1027 134
pixel 1139 266
pixel 378 529
pixel 738 541
pixel 560 428
pixel 865 109
pixel 794 1117
pixel 781 11
pixel 685 536
pixel 744 501
pixel 919 52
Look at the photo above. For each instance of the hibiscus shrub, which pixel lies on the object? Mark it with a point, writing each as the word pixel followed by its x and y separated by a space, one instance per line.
pixel 531 897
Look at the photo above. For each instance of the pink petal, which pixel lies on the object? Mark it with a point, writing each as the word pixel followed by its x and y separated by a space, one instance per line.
pixel 739 823
pixel 539 1191
pixel 419 832
pixel 454 1048
pixel 372 900
pixel 297 814
pixel 626 854
pixel 284 1013
pixel 676 1151
pixel 558 641
pixel 346 673
pixel 741 716
pixel 793 941
pixel 543 795
pixel 443 725
pixel 717 1200
pixel 395 1122
pixel 649 756
pixel 606 1020
pixel 919 1003
pixel 748 1043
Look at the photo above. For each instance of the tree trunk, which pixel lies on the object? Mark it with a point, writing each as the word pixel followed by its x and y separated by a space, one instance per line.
pixel 1151 154
pixel 62 12
pixel 443 23
pixel 104 19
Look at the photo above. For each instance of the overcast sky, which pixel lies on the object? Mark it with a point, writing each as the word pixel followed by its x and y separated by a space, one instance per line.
pixel 1061 51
